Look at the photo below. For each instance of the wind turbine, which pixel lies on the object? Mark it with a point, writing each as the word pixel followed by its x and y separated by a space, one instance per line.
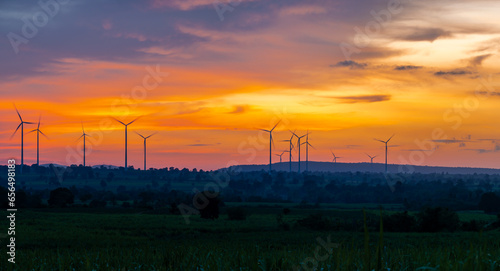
pixel 334 157
pixel 307 150
pixel 22 136
pixel 145 138
pixel 84 135
pixel 290 150
pixel 371 157
pixel 280 155
pixel 290 161
pixel 270 143
pixel 385 142
pixel 126 126
pixel 38 132
pixel 298 144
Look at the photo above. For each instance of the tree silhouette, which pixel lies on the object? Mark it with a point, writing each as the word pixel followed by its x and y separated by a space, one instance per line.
pixel 61 197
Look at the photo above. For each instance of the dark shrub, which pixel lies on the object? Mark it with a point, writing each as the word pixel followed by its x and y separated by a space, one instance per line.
pixel 85 196
pixel 97 203
pixel 61 197
pixel 472 225
pixel 400 222
pixel 282 224
pixel 490 203
pixel 208 204
pixel 236 213
pixel 174 209
pixel 286 211
pixel 438 219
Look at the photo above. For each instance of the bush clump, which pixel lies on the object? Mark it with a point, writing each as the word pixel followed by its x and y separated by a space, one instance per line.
pixel 236 213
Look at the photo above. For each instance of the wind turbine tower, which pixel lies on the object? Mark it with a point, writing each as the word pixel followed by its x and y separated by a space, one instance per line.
pixel 307 150
pixel 290 150
pixel 126 126
pixel 270 143
pixel 22 136
pixel 371 157
pixel 84 135
pixel 280 155
pixel 38 132
pixel 334 157
pixel 298 144
pixel 385 142
pixel 145 138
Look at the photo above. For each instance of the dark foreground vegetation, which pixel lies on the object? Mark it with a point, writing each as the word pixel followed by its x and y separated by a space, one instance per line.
pixel 109 219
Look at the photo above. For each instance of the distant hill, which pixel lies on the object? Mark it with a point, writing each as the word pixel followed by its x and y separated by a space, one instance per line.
pixel 105 166
pixel 48 165
pixel 366 167
pixel 96 166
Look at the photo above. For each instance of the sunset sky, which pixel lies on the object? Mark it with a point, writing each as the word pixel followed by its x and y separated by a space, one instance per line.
pixel 207 76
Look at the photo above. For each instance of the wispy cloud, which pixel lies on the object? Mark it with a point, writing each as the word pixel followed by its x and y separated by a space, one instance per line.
pixel 478 60
pixel 364 99
pixel 203 145
pixel 351 64
pixel 426 34
pixel 457 72
pixel 407 67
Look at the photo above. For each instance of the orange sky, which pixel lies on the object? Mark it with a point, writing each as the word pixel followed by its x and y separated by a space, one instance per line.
pixel 431 66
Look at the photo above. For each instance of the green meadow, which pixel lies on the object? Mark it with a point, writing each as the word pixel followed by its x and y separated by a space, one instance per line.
pixel 121 239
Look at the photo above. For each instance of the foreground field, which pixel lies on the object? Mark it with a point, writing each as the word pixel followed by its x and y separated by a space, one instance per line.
pixel 78 240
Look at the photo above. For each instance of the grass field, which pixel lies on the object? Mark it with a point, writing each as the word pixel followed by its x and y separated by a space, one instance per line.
pixel 51 239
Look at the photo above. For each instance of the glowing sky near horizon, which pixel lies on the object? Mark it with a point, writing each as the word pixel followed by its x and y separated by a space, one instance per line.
pixel 432 66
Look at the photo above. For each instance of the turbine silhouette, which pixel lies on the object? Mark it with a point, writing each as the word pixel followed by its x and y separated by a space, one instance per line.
pixel 307 150
pixel 270 143
pixel 290 149
pixel 126 126
pixel 145 138
pixel 22 136
pixel 298 144
pixel 371 157
pixel 38 132
pixel 385 142
pixel 84 135
pixel 280 155
pixel 334 157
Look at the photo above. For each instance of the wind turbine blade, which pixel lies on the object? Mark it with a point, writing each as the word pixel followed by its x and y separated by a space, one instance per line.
pixel 293 133
pixel 18 113
pixel 272 140
pixel 26 122
pixel 379 140
pixel 32 131
pixel 276 125
pixel 311 145
pixel 39 120
pixel 133 121
pixel 118 120
pixel 16 130
pixel 151 134
pixel 140 135
pixel 83 130
pixel 390 138
pixel 81 137
pixel 43 134
pixel 267 131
